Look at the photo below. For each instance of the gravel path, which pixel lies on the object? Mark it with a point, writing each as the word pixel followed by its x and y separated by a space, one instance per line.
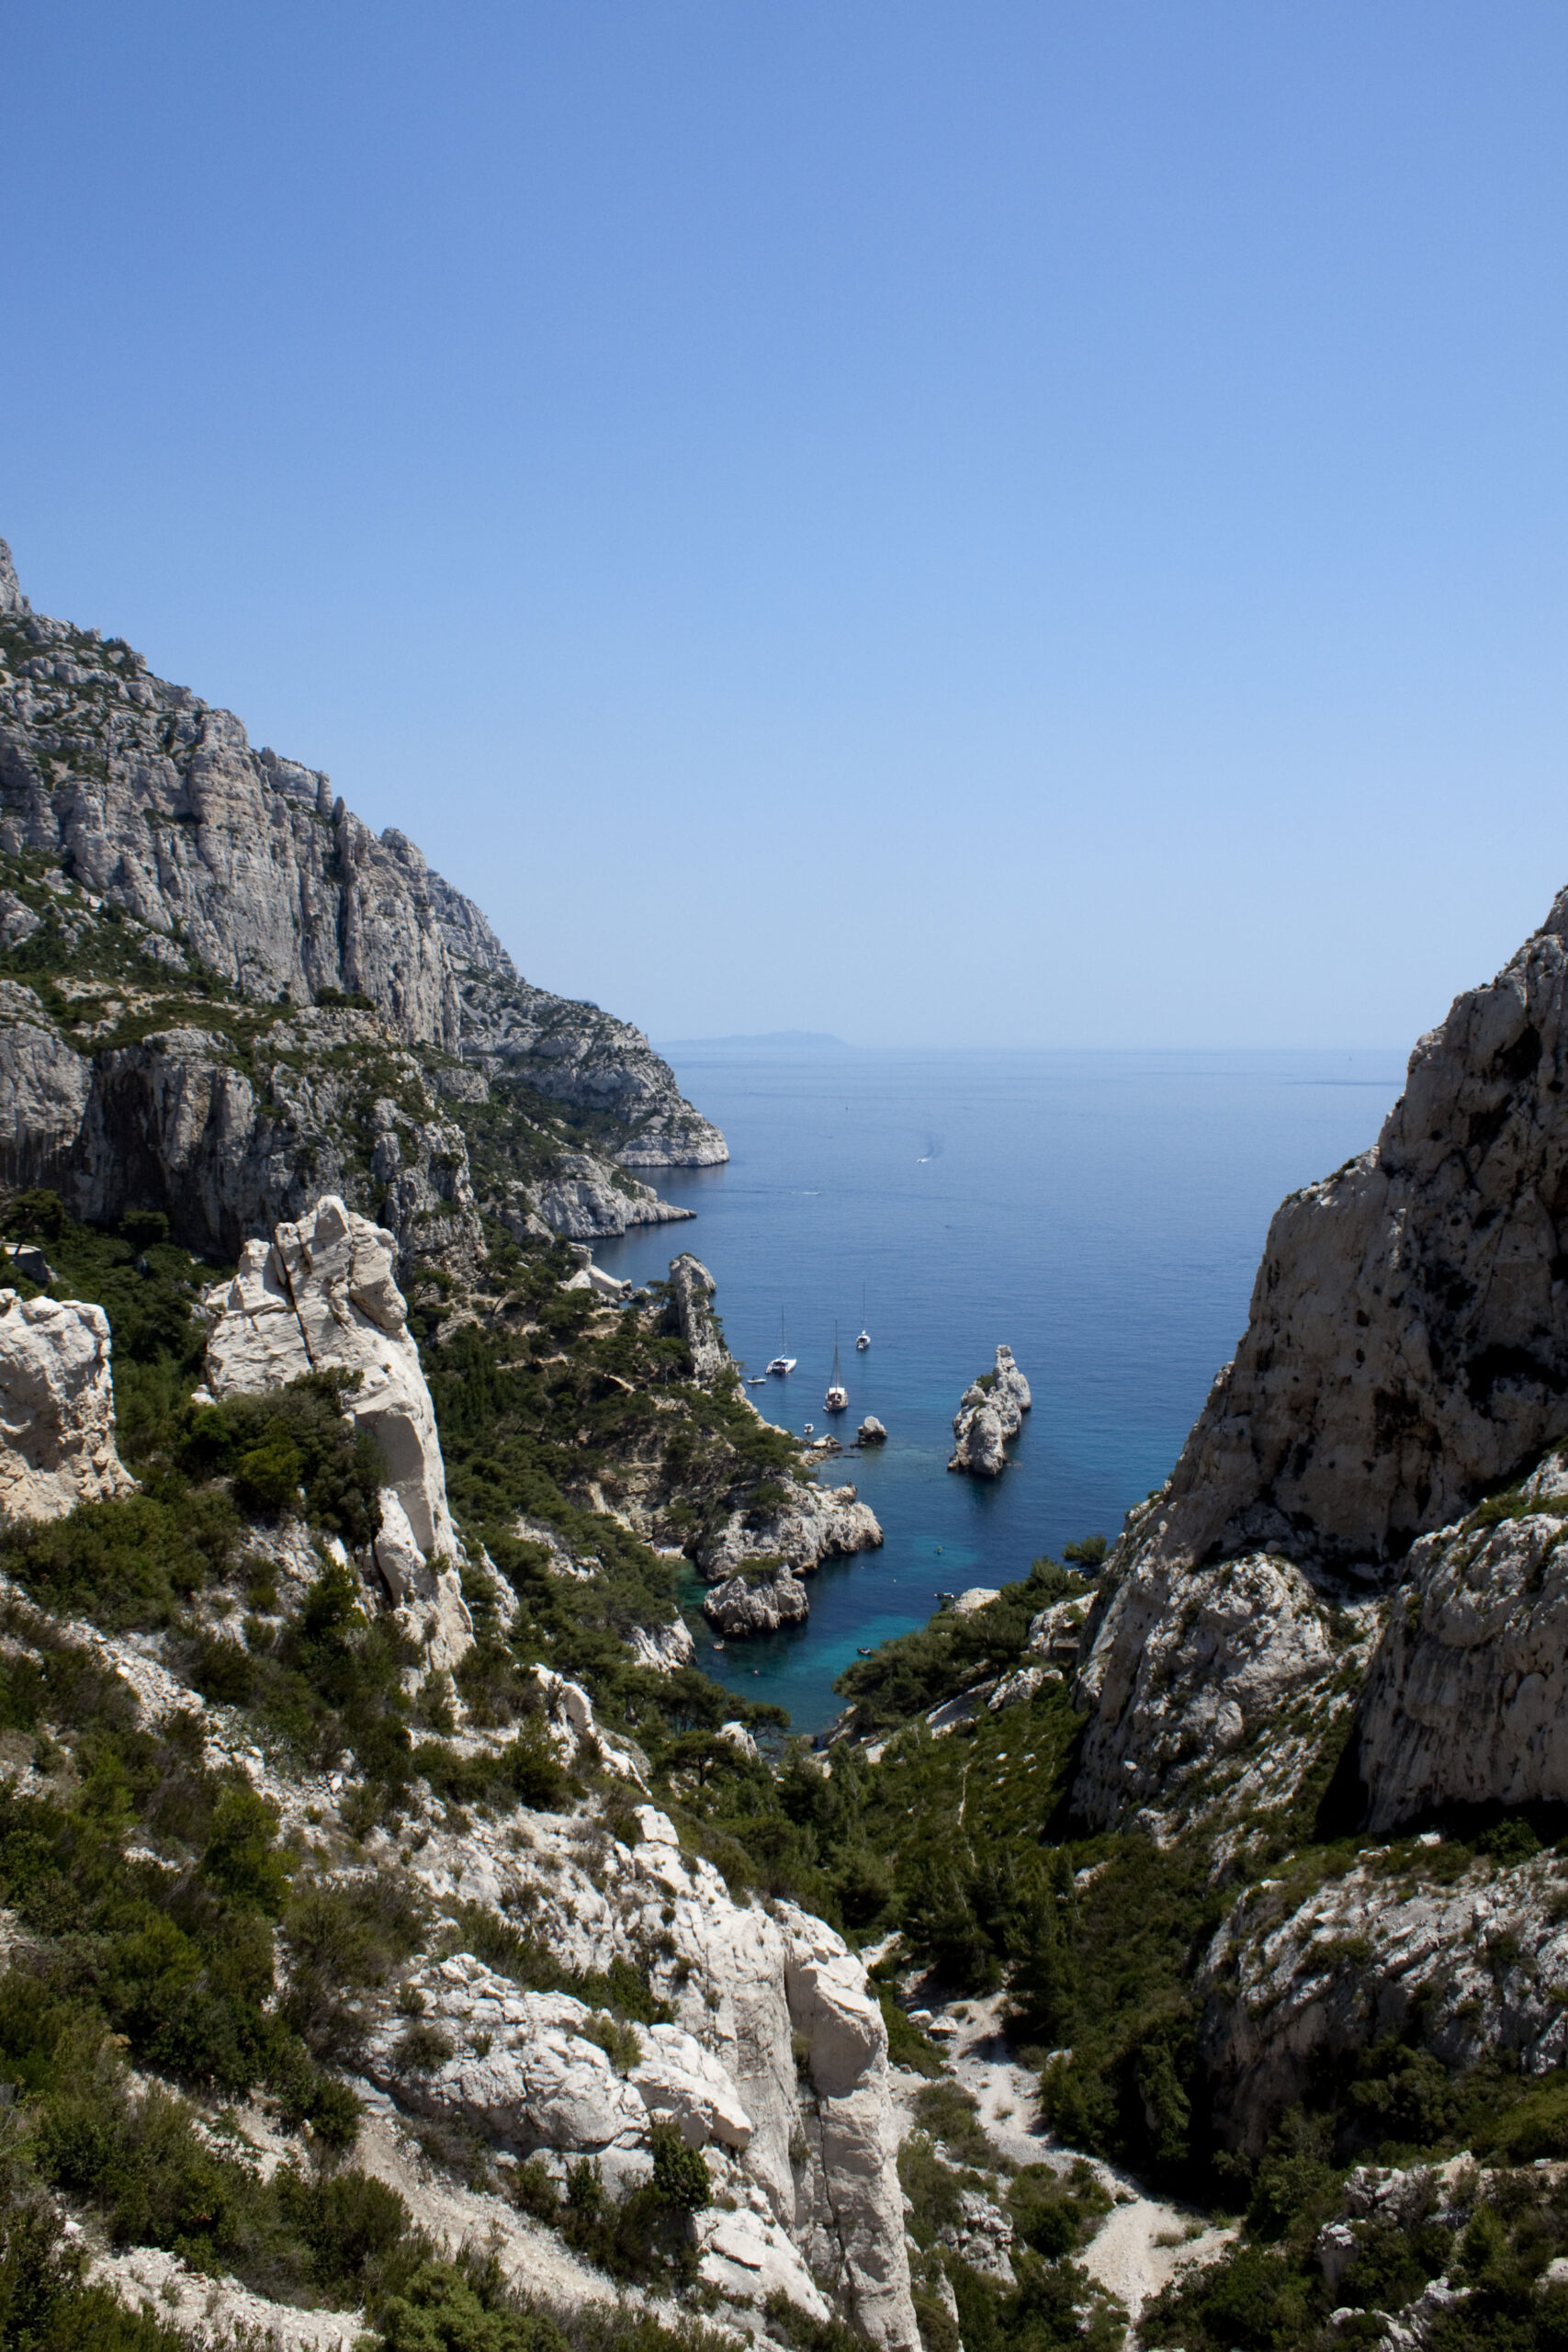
pixel 1126 2255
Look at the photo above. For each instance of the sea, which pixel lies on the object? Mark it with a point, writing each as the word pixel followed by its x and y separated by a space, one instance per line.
pixel 1101 1213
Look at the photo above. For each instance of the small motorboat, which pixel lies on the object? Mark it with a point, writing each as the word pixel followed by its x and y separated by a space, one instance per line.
pixel 757 1379
pixel 863 1653
pixel 838 1396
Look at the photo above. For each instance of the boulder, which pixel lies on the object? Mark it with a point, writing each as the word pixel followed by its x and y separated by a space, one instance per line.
pixel 871 1431
pixel 748 2257
pixel 320 1296
pixel 57 1440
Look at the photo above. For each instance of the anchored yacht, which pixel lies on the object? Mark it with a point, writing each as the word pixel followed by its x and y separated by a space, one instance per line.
pixel 838 1395
pixel 781 1363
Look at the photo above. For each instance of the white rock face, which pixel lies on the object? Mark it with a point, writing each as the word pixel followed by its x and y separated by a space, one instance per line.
pixel 1467 1697
pixel 1186 1666
pixel 320 1296
pixel 974 1597
pixel 811 2162
pixel 813 1525
pixel 987 1416
pixel 585 1198
pixel 207 853
pixel 663 1649
pixel 1472 1969
pixel 44 1085
pixel 690 1314
pixel 57 1445
pixel 738 1608
pixel 856 2220
pixel 1022 1685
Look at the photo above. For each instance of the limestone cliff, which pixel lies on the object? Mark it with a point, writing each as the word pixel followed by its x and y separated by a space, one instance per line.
pixel 1407 1343
pixel 171 897
pixel 1406 1352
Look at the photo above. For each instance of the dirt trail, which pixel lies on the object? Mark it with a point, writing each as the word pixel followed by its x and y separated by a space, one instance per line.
pixel 1125 2255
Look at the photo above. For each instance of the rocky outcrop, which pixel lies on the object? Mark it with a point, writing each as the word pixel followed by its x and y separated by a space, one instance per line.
pixel 804 2154
pixel 57 1442
pixel 871 1431
pixel 1465 1699
pixel 1407 1343
pixel 1466 1970
pixel 742 1606
pixel 812 1524
pixel 588 1199
pixel 663 1649
pixel 690 1316
pixel 320 1296
pixel 1191 1671
pixel 990 1412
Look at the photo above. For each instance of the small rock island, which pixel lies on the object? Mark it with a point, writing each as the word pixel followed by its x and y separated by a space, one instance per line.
pixel 990 1412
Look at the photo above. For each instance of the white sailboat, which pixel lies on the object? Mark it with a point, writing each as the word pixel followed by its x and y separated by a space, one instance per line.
pixel 782 1364
pixel 838 1395
pixel 865 1340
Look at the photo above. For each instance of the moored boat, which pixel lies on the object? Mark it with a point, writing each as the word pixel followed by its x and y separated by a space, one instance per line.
pixel 838 1396
pixel 782 1364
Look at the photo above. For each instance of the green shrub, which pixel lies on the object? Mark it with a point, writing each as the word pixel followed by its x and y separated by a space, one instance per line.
pixel 680 2179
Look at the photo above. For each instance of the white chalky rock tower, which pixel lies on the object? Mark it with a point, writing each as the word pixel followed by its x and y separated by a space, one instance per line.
pixel 320 1297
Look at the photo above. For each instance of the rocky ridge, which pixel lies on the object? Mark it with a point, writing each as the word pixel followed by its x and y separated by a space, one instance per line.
pixel 155 869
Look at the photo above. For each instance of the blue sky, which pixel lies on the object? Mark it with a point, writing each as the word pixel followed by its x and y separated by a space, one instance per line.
pixel 983 522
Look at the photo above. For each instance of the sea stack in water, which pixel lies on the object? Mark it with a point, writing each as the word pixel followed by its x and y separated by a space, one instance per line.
pixel 990 1412
pixel 871 1431
pixel 739 1607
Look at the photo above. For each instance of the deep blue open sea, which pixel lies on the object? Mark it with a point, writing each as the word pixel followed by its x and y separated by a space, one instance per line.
pixel 1101 1213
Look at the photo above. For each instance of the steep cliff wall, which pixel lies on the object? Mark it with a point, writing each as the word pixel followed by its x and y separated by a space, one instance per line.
pixel 1407 1341
pixel 1406 1352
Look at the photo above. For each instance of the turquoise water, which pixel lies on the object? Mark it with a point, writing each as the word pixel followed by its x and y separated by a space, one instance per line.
pixel 1101 1213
